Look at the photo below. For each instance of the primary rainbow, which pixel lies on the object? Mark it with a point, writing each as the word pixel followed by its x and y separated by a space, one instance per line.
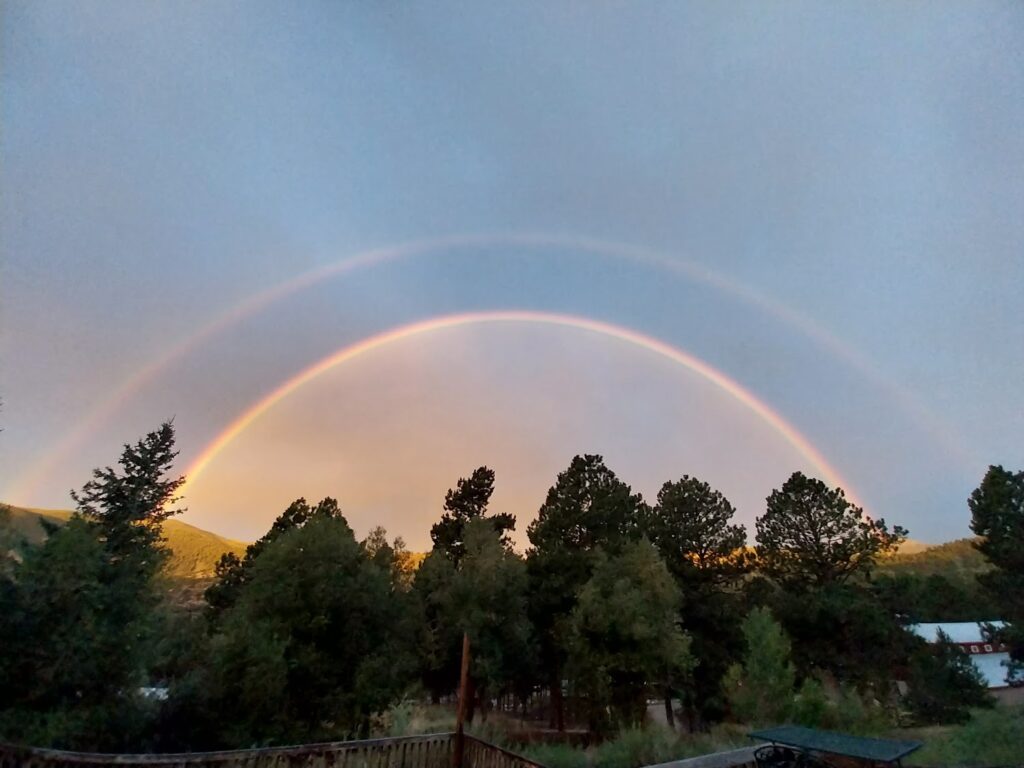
pixel 676 355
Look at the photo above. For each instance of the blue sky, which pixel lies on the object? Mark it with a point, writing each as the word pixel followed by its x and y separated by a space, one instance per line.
pixel 859 165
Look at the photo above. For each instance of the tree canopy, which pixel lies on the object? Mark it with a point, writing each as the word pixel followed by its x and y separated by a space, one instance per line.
pixel 811 535
pixel 997 516
pixel 468 501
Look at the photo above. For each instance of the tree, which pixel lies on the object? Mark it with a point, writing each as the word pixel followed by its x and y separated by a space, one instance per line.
pixel 311 648
pixel 944 683
pixel 487 600
pixel 626 641
pixel 78 628
pixel 691 526
pixel 468 501
pixel 233 572
pixel 997 515
pixel 760 689
pixel 393 557
pixel 844 629
pixel 127 507
pixel 811 535
pixel 588 508
pixel 437 640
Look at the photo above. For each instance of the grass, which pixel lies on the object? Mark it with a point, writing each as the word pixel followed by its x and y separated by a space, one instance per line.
pixel 992 737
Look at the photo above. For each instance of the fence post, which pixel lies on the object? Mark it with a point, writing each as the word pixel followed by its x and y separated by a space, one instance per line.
pixel 460 716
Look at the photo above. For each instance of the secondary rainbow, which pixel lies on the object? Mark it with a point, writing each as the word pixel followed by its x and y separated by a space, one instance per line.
pixel 802 445
pixel 30 481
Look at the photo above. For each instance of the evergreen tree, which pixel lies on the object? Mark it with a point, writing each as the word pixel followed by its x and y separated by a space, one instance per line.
pixel 588 508
pixel 944 683
pixel 312 647
pixel 691 526
pixel 233 572
pixel 468 501
pixel 78 627
pixel 811 535
pixel 997 515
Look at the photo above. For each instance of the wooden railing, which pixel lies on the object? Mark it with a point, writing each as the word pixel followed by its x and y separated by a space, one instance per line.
pixel 430 751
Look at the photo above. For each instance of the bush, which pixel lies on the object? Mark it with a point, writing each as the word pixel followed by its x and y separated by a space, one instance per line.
pixel 556 755
pixel 811 706
pixel 634 747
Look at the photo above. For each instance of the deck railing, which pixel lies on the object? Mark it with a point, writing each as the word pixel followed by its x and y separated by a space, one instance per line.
pixel 429 751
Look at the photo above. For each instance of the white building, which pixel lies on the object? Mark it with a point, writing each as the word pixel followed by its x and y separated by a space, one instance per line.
pixel 987 657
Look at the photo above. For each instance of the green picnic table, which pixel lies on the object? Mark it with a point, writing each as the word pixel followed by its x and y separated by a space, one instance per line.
pixel 860 748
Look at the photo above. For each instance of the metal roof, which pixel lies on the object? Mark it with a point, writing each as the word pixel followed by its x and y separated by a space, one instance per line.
pixel 958 631
pixel 861 747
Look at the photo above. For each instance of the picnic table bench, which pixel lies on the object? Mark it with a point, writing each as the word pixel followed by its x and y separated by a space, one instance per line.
pixel 793 746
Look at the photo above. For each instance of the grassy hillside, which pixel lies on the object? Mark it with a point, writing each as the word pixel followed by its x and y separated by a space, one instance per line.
pixel 947 559
pixel 194 552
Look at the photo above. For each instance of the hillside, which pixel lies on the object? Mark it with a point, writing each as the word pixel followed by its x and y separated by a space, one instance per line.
pixel 957 556
pixel 194 552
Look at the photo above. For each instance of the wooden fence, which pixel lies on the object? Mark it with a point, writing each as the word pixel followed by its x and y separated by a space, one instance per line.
pixel 430 751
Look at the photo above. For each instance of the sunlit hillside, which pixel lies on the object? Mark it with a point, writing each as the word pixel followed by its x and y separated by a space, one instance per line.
pixel 194 551
pixel 959 555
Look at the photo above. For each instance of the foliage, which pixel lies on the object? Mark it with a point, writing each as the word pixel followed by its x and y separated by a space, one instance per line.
pixel 556 755
pixel 437 640
pixel 588 508
pixel 997 515
pixel 920 598
pixel 391 557
pixel 760 690
pixel 959 557
pixel 233 572
pixel 691 526
pixel 635 747
pixel 811 536
pixel 468 501
pixel 485 597
pixel 811 705
pixel 311 648
pixel 625 636
pixel 844 629
pixel 10 544
pixel 990 737
pixel 77 621
pixel 944 684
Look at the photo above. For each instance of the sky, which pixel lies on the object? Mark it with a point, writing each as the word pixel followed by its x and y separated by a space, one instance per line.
pixel 359 249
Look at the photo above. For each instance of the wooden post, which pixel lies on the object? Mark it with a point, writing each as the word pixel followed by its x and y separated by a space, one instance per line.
pixel 460 715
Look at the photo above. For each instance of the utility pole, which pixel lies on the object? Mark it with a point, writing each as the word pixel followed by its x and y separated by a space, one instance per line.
pixel 460 716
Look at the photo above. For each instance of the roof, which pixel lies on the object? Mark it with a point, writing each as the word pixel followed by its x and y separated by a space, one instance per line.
pixel 863 748
pixel 958 631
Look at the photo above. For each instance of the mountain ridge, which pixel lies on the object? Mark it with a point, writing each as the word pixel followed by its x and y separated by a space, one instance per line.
pixel 194 551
